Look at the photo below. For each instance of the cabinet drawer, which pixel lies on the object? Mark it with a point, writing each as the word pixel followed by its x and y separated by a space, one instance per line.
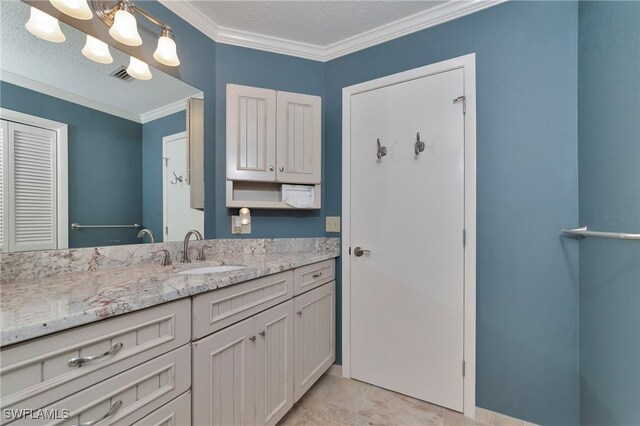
pixel 311 276
pixel 137 392
pixel 174 413
pixel 35 374
pixel 220 308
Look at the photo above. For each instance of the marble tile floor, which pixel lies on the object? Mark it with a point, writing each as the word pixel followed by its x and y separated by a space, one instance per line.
pixel 337 401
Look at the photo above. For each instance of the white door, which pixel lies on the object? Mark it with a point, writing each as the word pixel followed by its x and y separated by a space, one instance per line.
pixel 251 133
pixel 299 137
pixel 179 217
pixel 408 210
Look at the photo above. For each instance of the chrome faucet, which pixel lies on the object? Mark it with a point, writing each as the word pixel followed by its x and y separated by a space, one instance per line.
pixel 185 248
pixel 143 231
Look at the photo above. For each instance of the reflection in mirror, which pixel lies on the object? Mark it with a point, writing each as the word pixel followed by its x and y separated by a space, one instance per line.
pixel 91 156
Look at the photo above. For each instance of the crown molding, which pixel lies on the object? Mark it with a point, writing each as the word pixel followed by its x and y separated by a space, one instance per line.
pixel 431 17
pixel 45 89
pixel 166 110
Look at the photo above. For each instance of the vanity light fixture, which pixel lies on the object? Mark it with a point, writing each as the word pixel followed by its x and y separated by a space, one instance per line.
pixel 97 51
pixel 166 51
pixel 78 9
pixel 245 216
pixel 125 26
pixel 44 26
pixel 138 69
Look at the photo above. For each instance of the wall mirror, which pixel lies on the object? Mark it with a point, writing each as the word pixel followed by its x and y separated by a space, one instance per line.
pixel 91 155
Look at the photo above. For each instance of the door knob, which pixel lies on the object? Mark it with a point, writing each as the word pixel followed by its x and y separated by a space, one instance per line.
pixel 359 251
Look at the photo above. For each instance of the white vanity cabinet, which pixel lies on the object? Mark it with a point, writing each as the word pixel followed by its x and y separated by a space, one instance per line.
pixel 252 372
pixel 239 355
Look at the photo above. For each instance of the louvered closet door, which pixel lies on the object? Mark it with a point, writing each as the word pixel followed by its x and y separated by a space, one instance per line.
pixel 3 181
pixel 31 178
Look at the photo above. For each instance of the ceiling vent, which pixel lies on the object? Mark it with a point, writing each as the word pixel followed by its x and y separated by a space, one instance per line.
pixel 121 74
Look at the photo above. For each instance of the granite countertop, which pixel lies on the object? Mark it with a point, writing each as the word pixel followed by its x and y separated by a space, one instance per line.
pixel 36 307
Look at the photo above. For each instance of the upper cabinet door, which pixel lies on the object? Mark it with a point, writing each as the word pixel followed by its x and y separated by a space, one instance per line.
pixel 251 133
pixel 299 138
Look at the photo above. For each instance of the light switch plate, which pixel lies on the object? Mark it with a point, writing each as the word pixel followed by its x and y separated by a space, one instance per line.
pixel 333 224
pixel 242 229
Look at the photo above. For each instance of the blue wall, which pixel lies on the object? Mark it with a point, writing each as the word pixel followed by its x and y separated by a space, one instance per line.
pixel 609 153
pixel 197 68
pixel 105 153
pixel 527 191
pixel 152 134
pixel 272 71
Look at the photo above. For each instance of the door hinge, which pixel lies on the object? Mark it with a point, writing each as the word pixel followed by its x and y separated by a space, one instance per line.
pixel 464 238
pixel 462 99
pixel 349 251
pixel 464 368
pixel 166 229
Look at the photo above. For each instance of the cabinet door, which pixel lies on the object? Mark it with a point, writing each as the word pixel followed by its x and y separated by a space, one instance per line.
pixel 314 336
pixel 223 376
pixel 274 363
pixel 251 133
pixel 299 138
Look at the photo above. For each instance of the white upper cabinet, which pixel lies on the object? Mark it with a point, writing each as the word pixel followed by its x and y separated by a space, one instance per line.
pixel 273 136
pixel 251 133
pixel 298 133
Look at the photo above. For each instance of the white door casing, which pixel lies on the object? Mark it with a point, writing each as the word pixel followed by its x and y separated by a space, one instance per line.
pixel 405 215
pixel 178 217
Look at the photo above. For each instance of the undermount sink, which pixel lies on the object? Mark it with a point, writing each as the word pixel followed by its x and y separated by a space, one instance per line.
pixel 211 269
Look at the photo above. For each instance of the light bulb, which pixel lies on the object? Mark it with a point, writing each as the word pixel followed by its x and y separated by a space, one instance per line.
pixel 245 216
pixel 138 69
pixel 44 26
pixel 97 50
pixel 78 9
pixel 125 28
pixel 166 51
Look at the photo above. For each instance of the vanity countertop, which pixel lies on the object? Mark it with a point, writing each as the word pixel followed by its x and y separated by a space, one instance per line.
pixel 39 306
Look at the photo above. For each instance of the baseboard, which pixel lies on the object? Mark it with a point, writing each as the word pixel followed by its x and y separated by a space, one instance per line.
pixel 496 419
pixel 335 370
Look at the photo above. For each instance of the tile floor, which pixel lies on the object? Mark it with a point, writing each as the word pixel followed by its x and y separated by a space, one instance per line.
pixel 337 401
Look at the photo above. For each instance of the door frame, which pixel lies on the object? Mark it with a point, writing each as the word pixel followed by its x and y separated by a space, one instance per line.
pixel 62 166
pixel 467 63
pixel 165 206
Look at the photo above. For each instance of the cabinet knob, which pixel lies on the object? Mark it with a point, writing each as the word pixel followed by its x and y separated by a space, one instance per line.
pixel 252 338
pixel 262 332
pixel 271 168
pixel 281 168
pixel 299 312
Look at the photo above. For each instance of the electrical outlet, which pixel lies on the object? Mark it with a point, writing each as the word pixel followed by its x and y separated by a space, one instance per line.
pixel 238 228
pixel 333 224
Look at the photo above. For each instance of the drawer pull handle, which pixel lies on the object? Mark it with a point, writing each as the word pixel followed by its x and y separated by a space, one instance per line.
pixel 113 410
pixel 80 361
pixel 318 275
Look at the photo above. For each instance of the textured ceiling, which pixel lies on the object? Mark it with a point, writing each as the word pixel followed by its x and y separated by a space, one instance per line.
pixel 62 66
pixel 315 22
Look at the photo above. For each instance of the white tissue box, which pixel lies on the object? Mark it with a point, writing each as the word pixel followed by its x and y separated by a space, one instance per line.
pixel 299 196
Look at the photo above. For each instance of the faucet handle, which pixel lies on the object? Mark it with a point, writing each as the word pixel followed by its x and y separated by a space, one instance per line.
pixel 201 252
pixel 166 261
